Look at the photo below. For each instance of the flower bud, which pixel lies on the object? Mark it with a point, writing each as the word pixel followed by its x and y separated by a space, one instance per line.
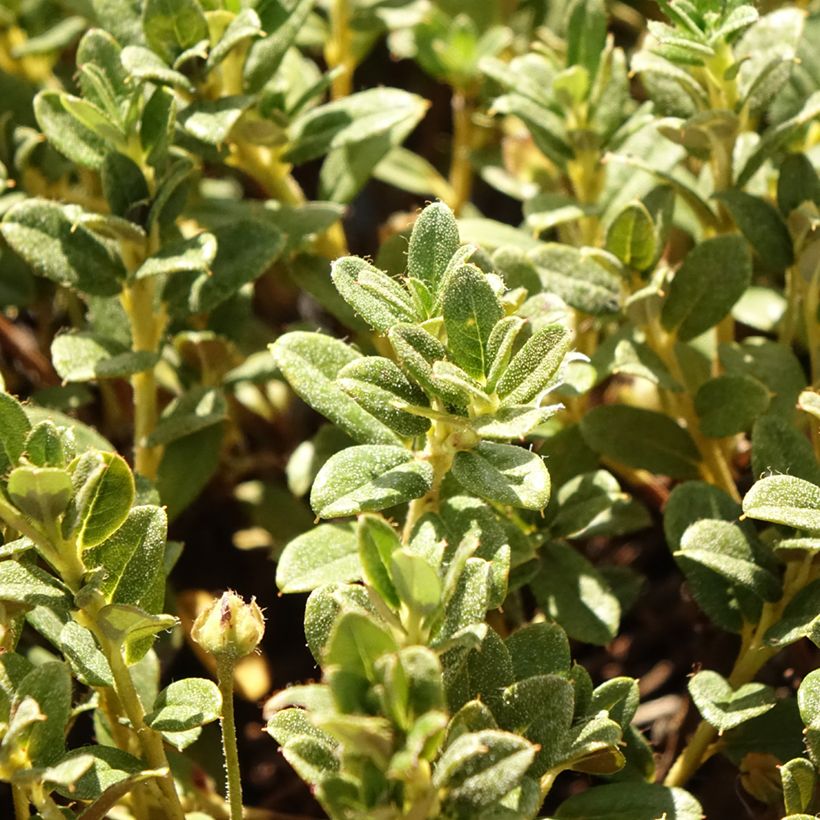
pixel 229 628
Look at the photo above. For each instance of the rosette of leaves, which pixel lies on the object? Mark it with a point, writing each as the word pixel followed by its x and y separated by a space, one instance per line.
pixel 84 564
pixel 423 708
pixel 573 99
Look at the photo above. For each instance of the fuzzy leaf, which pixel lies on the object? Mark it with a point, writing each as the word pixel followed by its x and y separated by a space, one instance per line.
pixel 640 438
pixel 471 310
pixel 311 362
pixel 728 405
pixel 368 478
pixel 695 303
pixel 726 708
pixel 65 252
pixel 433 242
pixel 631 801
pixel 322 555
pixel 503 473
pixel 83 357
pixel 184 705
pixel 786 500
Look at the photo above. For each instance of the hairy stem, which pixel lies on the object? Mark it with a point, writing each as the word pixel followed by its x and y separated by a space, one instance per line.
pixel 338 51
pixel 147 326
pixel 151 741
pixel 461 169
pixel 21 803
pixel 229 747
pixel 264 166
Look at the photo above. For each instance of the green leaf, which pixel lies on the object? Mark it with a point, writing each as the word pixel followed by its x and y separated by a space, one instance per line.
pixel 67 134
pixel 416 351
pixel 539 649
pixel 535 368
pixel 724 707
pixel 80 650
pixel 143 64
pixel 694 303
pixel 631 237
pixel 184 705
pixel 109 766
pixel 24 583
pixel 771 363
pixel 433 242
pixel 416 582
pixel 80 356
pixel 799 779
pixel 173 26
pixel 640 438
pixel 350 121
pixel 14 428
pixel 726 549
pixel 320 556
pixel 356 643
pixel 124 186
pixel 808 701
pixel 577 278
pixel 800 618
pixel 103 494
pixel 503 473
pixel 378 298
pixel 211 121
pixel 128 625
pixel 730 404
pixel 157 124
pixel 131 559
pixel 586 34
pixel 48 446
pixel 514 422
pixel 631 801
pixel 378 385
pixel 41 493
pixel 282 24
pixel 368 478
pixel 49 686
pixel 199 408
pixel 61 250
pixel 784 499
pixel 576 595
pixel 246 248
pixel 377 541
pixel 779 447
pixel 471 310
pixel 479 768
pixel 797 183
pixel 311 362
pixel 762 226
pixel 194 254
pixel 187 465
pixel 245 26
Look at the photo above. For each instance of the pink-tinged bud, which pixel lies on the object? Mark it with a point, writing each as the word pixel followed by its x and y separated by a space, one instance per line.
pixel 229 628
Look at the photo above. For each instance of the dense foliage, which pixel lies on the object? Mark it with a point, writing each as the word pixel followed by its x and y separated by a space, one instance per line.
pixel 637 350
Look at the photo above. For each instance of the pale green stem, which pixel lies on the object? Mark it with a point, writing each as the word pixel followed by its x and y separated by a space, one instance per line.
pixel 151 741
pixel 229 747
pixel 461 169
pixel 339 51
pixel 21 803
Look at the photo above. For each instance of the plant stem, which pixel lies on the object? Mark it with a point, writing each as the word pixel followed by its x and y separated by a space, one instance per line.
pixel 263 165
pixel 21 803
pixel 229 748
pixel 461 169
pixel 714 466
pixel 753 655
pixel 151 741
pixel 147 327
pixel 338 52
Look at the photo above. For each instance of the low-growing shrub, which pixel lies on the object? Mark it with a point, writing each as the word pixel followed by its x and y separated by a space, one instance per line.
pixel 499 406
